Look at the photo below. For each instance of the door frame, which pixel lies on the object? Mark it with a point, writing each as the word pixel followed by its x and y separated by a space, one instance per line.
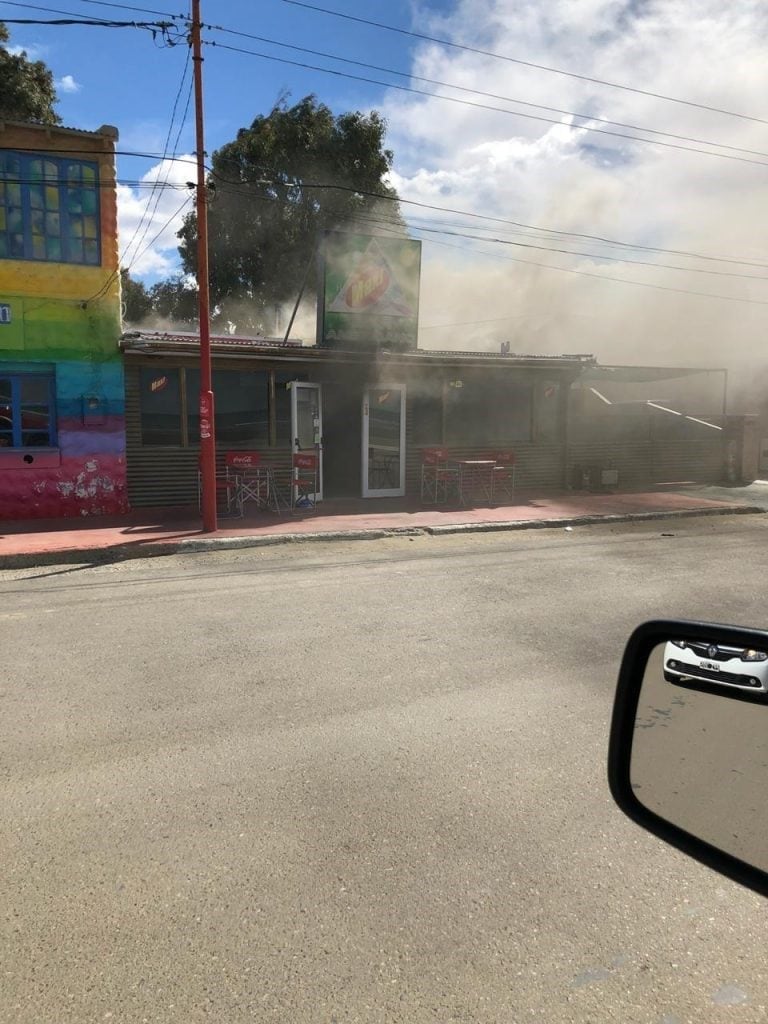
pixel 317 428
pixel 390 492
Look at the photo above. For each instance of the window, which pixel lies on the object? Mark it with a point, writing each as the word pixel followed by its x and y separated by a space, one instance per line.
pixel 487 411
pixel 548 412
pixel 241 405
pixel 27 411
pixel 160 392
pixel 283 406
pixel 426 412
pixel 49 209
pixel 169 403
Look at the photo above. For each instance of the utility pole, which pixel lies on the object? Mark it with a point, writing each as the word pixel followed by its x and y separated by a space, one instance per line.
pixel 207 412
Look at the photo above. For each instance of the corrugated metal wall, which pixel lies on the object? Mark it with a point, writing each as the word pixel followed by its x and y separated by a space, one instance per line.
pixel 166 476
pixel 160 476
pixel 647 463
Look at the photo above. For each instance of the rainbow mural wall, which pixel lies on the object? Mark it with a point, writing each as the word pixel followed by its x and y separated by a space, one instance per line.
pixel 62 395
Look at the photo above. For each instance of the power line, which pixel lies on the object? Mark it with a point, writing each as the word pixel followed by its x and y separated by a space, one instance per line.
pixel 155 237
pixel 77 14
pixel 488 95
pixel 483 106
pixel 499 220
pixel 130 7
pixel 737 261
pixel 149 244
pixel 148 215
pixel 474 323
pixel 153 26
pixel 601 277
pixel 525 63
pixel 567 270
pixel 124 182
pixel 77 151
pixel 156 193
pixel 599 257
pixel 596 256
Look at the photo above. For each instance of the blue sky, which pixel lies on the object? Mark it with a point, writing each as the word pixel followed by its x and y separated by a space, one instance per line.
pixel 475 163
pixel 126 79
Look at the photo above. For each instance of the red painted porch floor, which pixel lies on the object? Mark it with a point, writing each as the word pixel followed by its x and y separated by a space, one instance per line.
pixel 145 527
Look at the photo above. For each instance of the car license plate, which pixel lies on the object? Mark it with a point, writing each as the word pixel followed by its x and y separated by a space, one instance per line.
pixel 711 665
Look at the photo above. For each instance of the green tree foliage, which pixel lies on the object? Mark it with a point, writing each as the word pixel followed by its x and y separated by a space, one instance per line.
pixel 266 210
pixel 137 303
pixel 175 300
pixel 27 92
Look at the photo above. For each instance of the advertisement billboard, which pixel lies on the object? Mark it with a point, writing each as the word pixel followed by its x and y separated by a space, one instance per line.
pixel 369 291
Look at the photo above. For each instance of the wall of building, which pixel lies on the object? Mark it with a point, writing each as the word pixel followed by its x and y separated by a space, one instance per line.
pixel 643 463
pixel 65 320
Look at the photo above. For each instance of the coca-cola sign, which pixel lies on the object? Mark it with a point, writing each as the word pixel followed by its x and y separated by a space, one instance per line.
pixel 243 460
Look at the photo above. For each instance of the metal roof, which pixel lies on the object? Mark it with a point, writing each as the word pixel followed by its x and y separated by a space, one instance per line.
pixel 184 343
pixel 183 339
pixel 646 374
pixel 107 130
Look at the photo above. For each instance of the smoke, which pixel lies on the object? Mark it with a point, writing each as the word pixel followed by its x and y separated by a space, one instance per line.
pixel 594 296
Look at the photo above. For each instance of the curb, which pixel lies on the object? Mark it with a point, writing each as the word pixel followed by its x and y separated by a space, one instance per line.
pixel 196 545
pixel 591 520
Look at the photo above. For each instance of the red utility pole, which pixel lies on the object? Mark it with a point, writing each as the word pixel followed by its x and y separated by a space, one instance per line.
pixel 207 419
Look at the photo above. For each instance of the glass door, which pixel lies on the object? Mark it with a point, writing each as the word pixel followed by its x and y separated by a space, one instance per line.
pixel 384 441
pixel 307 422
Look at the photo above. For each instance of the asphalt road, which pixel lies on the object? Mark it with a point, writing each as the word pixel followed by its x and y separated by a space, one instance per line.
pixel 357 782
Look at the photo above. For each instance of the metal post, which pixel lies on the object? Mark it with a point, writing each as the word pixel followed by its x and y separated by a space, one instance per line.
pixel 207 411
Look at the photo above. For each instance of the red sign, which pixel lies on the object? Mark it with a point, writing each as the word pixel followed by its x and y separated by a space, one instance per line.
pixel 206 415
pixel 158 384
pixel 367 285
pixel 243 460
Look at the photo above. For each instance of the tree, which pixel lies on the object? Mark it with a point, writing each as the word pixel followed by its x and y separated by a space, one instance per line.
pixel 175 300
pixel 27 91
pixel 267 206
pixel 137 303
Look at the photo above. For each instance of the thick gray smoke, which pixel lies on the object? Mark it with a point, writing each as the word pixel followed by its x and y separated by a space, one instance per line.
pixel 463 158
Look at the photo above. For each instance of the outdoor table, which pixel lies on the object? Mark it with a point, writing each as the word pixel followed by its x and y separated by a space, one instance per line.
pixel 475 480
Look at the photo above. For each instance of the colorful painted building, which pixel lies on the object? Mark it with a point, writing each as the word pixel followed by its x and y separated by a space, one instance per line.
pixel 62 406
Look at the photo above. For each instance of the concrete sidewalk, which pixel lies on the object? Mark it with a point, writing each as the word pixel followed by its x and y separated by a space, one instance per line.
pixel 149 532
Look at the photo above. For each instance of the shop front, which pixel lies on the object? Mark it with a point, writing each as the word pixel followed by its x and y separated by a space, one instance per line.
pixel 368 415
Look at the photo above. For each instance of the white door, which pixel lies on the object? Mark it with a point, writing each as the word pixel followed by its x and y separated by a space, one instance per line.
pixel 384 441
pixel 307 422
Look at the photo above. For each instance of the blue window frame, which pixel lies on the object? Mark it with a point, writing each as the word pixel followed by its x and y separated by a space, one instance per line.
pixel 27 410
pixel 49 209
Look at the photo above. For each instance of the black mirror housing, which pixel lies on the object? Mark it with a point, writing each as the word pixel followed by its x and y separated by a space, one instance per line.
pixel 701 700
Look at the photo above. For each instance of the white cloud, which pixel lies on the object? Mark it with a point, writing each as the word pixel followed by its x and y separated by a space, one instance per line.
pixel 551 175
pixel 149 219
pixel 67 84
pixel 35 51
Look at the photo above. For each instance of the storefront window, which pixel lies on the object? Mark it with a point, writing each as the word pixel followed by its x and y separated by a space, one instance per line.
pixel 160 392
pixel 487 411
pixel 242 406
pixel 547 412
pixel 426 402
pixel 170 401
pixel 283 406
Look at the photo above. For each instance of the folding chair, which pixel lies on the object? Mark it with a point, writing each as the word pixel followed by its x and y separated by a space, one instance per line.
pixel 504 475
pixel 254 479
pixel 437 478
pixel 229 503
pixel 305 482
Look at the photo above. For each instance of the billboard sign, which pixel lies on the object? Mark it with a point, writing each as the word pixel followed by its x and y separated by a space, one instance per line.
pixel 369 291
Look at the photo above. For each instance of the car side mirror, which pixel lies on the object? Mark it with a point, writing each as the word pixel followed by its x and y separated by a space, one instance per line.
pixel 688 753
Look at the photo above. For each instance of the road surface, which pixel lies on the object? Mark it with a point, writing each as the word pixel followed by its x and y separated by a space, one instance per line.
pixel 357 782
